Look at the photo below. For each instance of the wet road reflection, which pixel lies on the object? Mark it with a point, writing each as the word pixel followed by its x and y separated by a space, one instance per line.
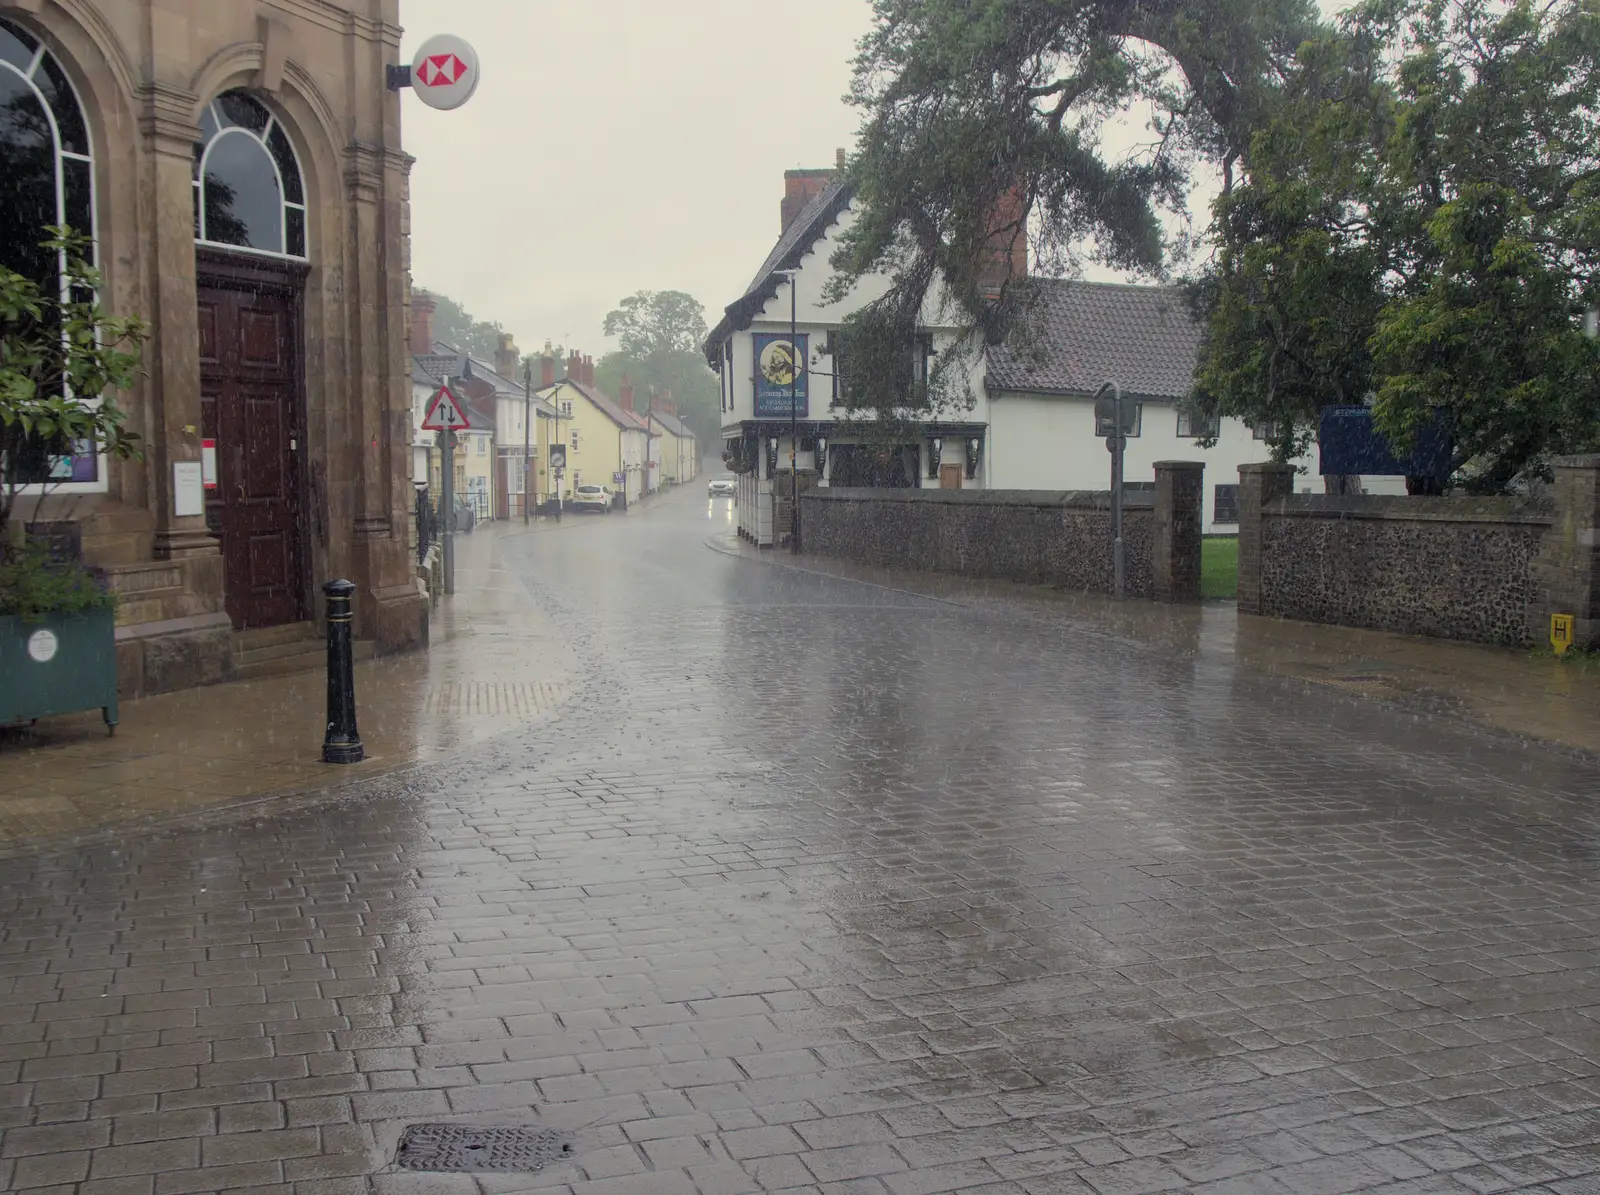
pixel 816 882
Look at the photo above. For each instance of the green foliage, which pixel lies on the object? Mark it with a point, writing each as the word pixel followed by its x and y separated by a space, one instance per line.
pixel 657 321
pixel 980 112
pixel 456 326
pixel 32 585
pixel 1418 225
pixel 659 334
pixel 59 359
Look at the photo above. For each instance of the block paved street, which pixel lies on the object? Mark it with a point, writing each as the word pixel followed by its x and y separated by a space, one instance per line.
pixel 816 885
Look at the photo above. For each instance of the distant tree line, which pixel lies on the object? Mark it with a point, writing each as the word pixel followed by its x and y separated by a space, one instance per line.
pixel 658 334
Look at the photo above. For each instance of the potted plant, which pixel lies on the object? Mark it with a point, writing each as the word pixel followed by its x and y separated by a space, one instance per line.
pixel 60 357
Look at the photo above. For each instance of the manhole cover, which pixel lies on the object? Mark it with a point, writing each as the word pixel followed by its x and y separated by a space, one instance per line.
pixel 461 1148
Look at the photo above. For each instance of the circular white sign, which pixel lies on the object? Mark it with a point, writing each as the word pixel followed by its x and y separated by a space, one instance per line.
pixel 444 73
pixel 42 646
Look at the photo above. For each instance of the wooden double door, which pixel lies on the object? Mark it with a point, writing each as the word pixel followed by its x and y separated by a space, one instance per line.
pixel 250 371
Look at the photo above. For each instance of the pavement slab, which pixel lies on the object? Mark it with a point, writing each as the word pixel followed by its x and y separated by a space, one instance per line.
pixel 813 884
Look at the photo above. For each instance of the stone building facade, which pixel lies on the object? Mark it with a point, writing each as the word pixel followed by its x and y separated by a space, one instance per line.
pixel 240 167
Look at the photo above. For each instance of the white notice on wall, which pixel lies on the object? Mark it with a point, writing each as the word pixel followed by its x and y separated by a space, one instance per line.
pixel 188 489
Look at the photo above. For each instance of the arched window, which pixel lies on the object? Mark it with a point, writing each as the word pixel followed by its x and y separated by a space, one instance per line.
pixel 48 175
pixel 46 178
pixel 247 190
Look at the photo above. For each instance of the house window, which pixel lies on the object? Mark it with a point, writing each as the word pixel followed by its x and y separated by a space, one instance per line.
pixel 574 441
pixel 48 178
pixel 1264 431
pixel 1193 425
pixel 1225 507
pixel 247 190
pixel 483 445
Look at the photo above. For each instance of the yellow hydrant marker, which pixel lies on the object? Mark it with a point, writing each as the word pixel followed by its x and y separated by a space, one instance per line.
pixel 1560 632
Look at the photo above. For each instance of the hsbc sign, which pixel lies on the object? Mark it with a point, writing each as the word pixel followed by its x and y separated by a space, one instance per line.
pixel 444 72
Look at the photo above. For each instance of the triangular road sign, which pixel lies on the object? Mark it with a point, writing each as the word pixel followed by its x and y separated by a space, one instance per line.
pixel 445 413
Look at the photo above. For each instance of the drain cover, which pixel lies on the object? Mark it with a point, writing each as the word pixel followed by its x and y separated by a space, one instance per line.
pixel 461 1148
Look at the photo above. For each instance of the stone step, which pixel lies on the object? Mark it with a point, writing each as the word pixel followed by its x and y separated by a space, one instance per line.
pixel 281 659
pixel 289 632
pixel 118 547
pixel 278 651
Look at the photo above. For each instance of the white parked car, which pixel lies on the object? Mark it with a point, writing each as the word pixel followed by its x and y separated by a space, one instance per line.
pixel 724 486
pixel 596 498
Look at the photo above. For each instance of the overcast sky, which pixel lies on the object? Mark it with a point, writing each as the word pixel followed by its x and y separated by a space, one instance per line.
pixel 618 145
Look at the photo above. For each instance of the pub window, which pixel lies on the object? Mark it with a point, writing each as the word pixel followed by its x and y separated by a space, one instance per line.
pixel 1193 425
pixel 1264 431
pixel 46 178
pixel 247 188
pixel 918 359
pixel 921 355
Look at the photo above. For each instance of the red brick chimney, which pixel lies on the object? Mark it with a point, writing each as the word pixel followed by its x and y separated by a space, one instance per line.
pixel 800 187
pixel 666 404
pixel 422 309
pixel 547 368
pixel 574 367
pixel 588 371
pixel 1004 255
pixel 625 393
pixel 507 360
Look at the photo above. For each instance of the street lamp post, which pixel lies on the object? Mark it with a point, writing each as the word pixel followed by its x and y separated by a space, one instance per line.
pixel 527 434
pixel 795 361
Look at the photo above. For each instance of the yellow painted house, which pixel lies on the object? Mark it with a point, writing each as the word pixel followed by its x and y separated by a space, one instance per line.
pixel 606 442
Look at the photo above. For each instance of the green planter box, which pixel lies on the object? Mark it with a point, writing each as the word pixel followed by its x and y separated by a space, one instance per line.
pixel 59 665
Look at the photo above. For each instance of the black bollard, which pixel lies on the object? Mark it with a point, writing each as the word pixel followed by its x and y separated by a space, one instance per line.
pixel 343 741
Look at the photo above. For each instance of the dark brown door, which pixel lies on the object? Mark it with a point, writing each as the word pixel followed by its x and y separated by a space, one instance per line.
pixel 249 388
pixel 949 477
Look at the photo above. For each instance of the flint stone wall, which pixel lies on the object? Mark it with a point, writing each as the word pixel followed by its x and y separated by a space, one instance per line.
pixel 1455 568
pixel 1037 536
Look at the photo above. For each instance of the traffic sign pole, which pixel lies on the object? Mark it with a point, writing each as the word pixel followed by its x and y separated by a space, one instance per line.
pixel 445 414
pixel 448 500
pixel 1115 410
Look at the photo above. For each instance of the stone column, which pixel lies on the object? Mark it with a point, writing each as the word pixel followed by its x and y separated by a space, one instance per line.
pixel 1259 485
pixel 1180 522
pixel 173 351
pixel 1568 567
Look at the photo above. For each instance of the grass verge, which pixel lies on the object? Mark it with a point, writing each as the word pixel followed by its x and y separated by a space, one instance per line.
pixel 1219 567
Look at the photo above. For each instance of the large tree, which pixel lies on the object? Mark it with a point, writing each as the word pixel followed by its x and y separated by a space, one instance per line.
pixel 1416 225
pixel 989 121
pixel 659 334
pixel 456 326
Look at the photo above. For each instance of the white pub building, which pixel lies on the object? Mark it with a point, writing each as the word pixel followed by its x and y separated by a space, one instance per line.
pixel 1029 420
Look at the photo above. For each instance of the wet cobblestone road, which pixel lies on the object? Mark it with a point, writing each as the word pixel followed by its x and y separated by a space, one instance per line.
pixel 821 887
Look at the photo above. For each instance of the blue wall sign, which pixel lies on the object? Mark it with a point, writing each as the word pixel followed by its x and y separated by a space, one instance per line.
pixel 1351 444
pixel 776 361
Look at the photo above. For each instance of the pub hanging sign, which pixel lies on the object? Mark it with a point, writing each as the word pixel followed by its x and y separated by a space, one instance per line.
pixel 777 363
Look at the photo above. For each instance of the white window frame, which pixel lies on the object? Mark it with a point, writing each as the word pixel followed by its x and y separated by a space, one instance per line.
pixel 228 130
pixel 102 480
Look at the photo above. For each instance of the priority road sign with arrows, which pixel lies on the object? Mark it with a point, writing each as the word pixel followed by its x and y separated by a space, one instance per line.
pixel 445 413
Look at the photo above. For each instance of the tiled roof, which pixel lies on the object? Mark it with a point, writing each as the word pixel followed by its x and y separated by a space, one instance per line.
pixel 432 369
pixel 1083 333
pixel 803 232
pixel 608 405
pixel 673 424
